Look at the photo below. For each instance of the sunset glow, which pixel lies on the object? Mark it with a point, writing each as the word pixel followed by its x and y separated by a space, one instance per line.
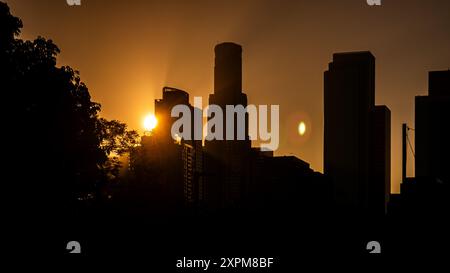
pixel 150 122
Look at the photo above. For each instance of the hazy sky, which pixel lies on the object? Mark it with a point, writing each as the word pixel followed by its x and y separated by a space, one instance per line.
pixel 127 51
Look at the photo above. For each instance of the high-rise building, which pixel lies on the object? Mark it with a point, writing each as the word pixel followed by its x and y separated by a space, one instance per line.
pixel 432 133
pixel 163 107
pixel 227 160
pixel 349 91
pixel 175 165
pixel 356 134
pixel 380 160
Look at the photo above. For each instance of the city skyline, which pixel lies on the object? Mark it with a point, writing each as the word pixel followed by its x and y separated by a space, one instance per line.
pixel 87 183
pixel 229 174
pixel 157 59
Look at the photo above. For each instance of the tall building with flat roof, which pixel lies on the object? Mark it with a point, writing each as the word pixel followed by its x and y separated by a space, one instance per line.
pixel 163 107
pixel 174 164
pixel 349 91
pixel 432 134
pixel 380 160
pixel 356 135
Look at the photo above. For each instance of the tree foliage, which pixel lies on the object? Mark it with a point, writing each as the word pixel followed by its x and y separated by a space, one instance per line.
pixel 63 144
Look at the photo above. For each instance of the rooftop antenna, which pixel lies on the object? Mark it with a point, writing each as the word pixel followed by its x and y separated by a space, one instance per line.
pixel 404 128
pixel 405 142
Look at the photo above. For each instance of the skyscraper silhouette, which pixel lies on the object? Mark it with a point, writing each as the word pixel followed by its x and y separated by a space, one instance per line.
pixel 227 160
pixel 163 107
pixel 380 160
pixel 428 192
pixel 349 91
pixel 432 121
pixel 172 165
pixel 356 134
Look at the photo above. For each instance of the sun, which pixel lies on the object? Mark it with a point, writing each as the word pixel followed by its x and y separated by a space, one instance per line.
pixel 150 122
pixel 301 128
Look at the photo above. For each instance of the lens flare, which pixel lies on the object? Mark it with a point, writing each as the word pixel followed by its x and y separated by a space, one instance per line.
pixel 301 128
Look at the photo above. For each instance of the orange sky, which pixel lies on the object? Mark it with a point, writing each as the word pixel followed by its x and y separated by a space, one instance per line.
pixel 127 51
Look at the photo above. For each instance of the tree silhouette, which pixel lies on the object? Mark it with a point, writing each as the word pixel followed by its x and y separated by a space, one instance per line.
pixel 63 150
pixel 116 141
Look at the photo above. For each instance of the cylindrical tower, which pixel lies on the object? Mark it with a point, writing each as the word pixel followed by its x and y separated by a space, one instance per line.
pixel 228 70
